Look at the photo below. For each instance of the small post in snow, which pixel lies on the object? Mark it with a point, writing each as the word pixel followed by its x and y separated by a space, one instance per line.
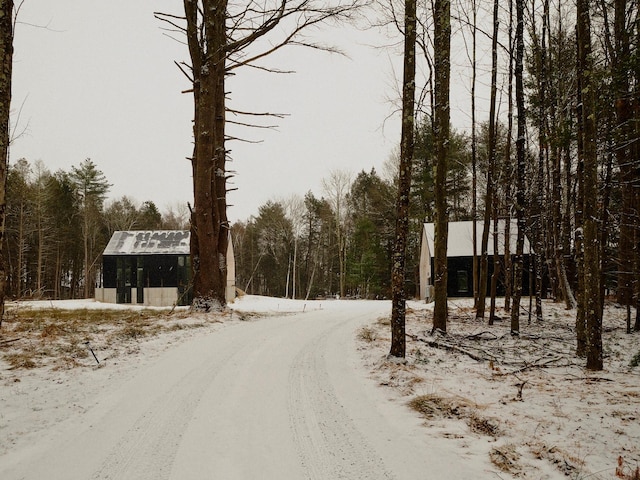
pixel 92 353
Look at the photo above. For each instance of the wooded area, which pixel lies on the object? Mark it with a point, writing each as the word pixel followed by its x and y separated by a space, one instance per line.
pixel 57 225
pixel 571 181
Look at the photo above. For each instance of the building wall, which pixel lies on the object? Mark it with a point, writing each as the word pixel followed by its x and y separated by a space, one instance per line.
pixel 153 297
pixel 425 289
pixel 230 292
pixel 161 297
pixel 106 295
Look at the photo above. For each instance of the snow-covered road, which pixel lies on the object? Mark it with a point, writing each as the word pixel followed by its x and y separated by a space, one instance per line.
pixel 282 398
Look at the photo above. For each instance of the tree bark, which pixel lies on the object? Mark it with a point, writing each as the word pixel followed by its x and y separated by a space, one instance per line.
pixel 581 330
pixel 442 47
pixel 210 227
pixel 541 60
pixel 518 269
pixel 398 294
pixel 488 204
pixel 474 153
pixel 6 72
pixel 623 135
pixel 496 263
pixel 508 174
pixel 591 267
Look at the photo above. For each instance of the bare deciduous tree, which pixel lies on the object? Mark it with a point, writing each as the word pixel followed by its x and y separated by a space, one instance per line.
pixel 222 37
pixel 6 69
pixel 442 59
pixel 398 294
pixel 295 209
pixel 520 168
pixel 490 190
pixel 591 268
pixel 336 186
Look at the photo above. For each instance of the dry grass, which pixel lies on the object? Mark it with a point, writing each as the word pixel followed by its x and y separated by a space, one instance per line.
pixel 626 471
pixel 506 458
pixel 61 339
pixel 565 462
pixel 433 406
pixel 483 425
pixel 367 334
pixel 523 389
pixel 20 360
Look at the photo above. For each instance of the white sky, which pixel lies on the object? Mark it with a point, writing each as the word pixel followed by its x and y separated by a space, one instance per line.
pixel 99 82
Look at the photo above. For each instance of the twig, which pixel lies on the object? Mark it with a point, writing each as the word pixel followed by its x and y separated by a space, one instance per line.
pixel 449 347
pixel 7 342
pixel 477 336
pixel 528 366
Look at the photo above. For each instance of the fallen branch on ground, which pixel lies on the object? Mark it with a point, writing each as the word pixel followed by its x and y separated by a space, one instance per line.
pixel 451 348
pixel 527 366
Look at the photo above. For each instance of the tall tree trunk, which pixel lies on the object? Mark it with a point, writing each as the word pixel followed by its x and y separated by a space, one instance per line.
pixel 488 204
pixel 496 262
pixel 85 235
pixel 591 267
pixel 398 294
pixel 542 153
pixel 40 258
pixel 623 135
pixel 295 261
pixel 603 222
pixel 561 224
pixel 22 248
pixel 636 154
pixel 581 330
pixel 210 227
pixel 474 153
pixel 442 48
pixel 635 95
pixel 518 269
pixel 6 71
pixel 558 224
pixel 508 172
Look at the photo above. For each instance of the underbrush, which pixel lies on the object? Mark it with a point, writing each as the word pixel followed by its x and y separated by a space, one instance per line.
pixel 527 400
pixel 62 339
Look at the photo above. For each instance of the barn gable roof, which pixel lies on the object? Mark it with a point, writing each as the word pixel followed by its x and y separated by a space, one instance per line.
pixel 460 238
pixel 150 242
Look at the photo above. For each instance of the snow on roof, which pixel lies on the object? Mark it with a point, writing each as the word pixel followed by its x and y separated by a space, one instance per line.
pixel 148 242
pixel 460 238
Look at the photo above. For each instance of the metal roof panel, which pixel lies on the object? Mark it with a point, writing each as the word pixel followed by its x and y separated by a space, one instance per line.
pixel 148 242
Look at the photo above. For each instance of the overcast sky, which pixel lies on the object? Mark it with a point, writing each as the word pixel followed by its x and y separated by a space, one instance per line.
pixel 96 79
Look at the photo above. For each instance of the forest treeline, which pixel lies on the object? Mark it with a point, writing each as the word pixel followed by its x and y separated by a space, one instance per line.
pixel 339 241
pixel 58 223
pixel 573 186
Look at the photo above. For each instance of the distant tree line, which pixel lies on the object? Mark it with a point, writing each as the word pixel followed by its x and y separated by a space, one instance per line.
pixel 286 250
pixel 57 225
pixel 559 152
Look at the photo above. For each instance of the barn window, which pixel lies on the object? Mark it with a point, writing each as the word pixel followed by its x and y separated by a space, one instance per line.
pixel 462 281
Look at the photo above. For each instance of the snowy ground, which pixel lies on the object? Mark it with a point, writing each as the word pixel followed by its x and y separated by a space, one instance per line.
pixel 280 389
pixel 525 401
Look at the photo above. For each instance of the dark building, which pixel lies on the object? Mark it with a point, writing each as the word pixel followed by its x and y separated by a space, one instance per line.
pixel 151 268
pixel 460 257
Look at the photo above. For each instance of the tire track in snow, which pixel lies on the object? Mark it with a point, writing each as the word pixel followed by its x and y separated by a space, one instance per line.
pixel 329 444
pixel 148 448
